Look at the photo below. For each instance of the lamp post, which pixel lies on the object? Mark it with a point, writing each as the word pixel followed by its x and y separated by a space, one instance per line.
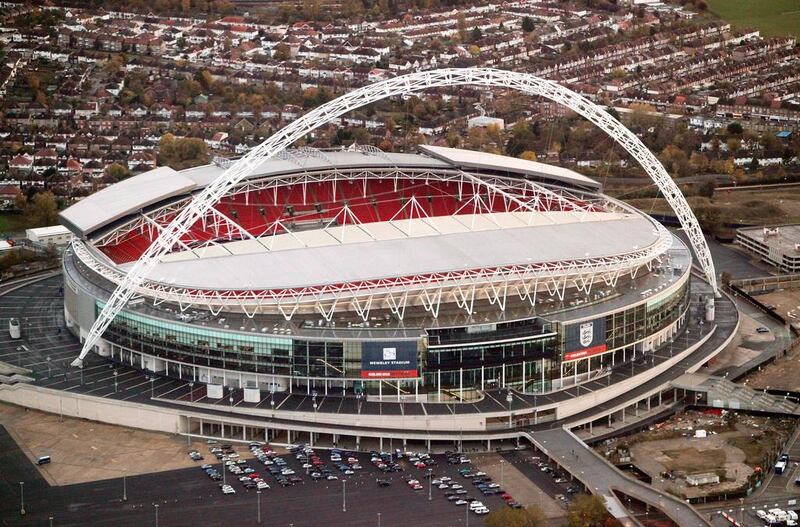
pixel 230 399
pixel 81 368
pixel 115 381
pixel 258 495
pixel 21 498
pixel 48 366
pixel 502 472
pixel 430 484
pixel 152 386
pixel 124 487
pixel 379 519
pixel 156 506
pixel 191 391
pixel 344 495
pixel 51 521
pixel 509 399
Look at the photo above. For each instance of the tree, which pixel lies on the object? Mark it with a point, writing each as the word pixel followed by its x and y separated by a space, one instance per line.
pixel 587 511
pixel 528 155
pixel 522 139
pixel 461 24
pixel 180 153
pixel 477 34
pixel 508 517
pixel 116 172
pixel 735 128
pixel 42 210
pixel 282 52
pixel 527 24
pixel 726 277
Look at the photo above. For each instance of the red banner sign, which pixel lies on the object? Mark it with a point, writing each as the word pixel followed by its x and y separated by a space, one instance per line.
pixel 389 374
pixel 588 352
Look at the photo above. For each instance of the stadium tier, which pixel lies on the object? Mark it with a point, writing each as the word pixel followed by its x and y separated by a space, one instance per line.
pixel 435 274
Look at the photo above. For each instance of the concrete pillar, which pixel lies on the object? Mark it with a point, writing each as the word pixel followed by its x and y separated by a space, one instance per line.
pixel 488 445
pixel 429 445
pixel 380 442
pixel 623 415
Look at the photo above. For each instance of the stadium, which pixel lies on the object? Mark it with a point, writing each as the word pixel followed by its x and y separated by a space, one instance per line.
pixel 432 274
pixel 425 295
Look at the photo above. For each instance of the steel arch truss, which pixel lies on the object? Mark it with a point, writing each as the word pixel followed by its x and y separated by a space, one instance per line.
pixel 398 86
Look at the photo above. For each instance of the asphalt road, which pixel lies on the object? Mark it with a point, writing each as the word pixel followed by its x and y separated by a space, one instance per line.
pixel 188 497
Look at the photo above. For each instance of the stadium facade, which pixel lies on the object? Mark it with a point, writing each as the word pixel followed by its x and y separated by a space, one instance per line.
pixel 432 276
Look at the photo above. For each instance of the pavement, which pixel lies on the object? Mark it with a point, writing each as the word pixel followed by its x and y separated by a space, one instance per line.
pixel 187 497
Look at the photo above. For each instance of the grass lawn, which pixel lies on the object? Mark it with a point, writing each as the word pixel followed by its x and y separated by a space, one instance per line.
pixel 772 17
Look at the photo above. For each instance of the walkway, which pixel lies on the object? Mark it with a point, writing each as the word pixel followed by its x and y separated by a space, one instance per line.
pixel 601 478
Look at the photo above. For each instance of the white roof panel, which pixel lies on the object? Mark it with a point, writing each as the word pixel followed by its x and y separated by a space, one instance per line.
pixel 482 160
pixel 123 198
pixel 404 256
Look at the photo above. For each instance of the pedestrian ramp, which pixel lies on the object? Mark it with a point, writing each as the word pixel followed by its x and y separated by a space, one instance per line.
pixel 719 392
pixel 10 374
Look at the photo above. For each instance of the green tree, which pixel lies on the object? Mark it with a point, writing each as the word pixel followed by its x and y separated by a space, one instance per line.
pixel 522 139
pixel 527 24
pixel 587 511
pixel 508 517
pixel 735 128
pixel 476 34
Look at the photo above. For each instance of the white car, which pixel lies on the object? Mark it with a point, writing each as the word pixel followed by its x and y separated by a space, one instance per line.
pixel 443 486
pixel 287 472
pixel 475 505
pixel 262 485
pixel 761 514
pixel 461 502
pixel 332 477
pixel 456 486
pixel 445 479
pixel 481 511
pixel 494 485
pixel 227 489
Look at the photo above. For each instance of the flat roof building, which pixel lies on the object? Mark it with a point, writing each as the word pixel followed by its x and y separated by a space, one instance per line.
pixel 778 246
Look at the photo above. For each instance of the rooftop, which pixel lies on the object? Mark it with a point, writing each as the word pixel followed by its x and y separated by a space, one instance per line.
pixel 783 239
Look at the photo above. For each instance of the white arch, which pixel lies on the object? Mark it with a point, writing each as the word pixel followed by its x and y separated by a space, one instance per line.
pixel 405 84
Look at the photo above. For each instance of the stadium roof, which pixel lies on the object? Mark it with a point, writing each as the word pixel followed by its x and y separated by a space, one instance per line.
pixel 606 234
pixel 470 159
pixel 130 196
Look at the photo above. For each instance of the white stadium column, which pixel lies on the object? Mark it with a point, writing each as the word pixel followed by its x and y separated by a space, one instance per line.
pixel 170 236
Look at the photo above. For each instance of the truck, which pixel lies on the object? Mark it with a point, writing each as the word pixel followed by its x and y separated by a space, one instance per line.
pixel 780 466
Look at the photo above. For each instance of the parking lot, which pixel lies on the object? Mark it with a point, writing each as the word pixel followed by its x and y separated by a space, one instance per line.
pixel 188 496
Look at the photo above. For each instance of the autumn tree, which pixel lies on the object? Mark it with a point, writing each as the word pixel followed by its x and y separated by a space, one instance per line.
pixel 587 511
pixel 42 210
pixel 507 517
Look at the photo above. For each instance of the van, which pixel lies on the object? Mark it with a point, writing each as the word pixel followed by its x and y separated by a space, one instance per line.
pixel 42 460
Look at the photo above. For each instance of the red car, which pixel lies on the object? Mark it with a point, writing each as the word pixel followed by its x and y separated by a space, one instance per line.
pixel 506 496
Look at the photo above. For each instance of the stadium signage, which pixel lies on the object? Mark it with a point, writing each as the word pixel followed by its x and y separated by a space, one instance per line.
pixel 389 360
pixel 585 339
